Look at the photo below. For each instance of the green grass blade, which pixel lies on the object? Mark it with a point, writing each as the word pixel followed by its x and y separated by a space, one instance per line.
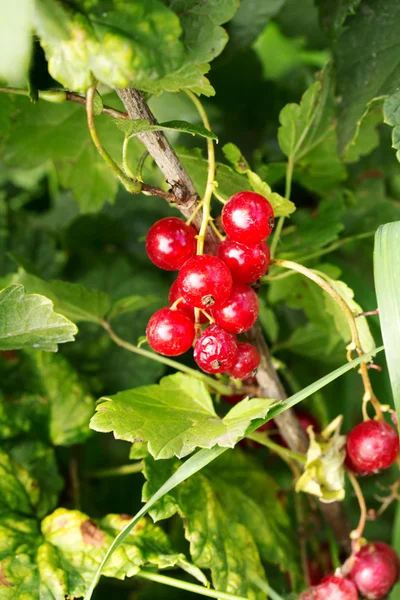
pixel 387 285
pixel 202 458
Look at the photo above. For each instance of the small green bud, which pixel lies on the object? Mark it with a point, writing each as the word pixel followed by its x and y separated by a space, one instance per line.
pixel 53 95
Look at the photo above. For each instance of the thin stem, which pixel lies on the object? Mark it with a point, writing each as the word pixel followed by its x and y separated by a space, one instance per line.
pixel 61 96
pixel 189 587
pixel 357 533
pixel 369 395
pixel 136 467
pixel 213 383
pixel 288 190
pixel 216 230
pixel 132 186
pixel 206 201
pixel 74 478
pixel 195 212
pixel 125 165
pixel 263 585
pixel 285 453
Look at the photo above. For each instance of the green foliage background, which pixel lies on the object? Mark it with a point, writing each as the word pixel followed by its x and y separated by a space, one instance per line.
pixel 314 84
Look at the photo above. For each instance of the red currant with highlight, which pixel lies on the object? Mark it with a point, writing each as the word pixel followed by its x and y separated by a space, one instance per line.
pixel 170 332
pixel 246 263
pixel 372 445
pixel 246 363
pixel 205 281
pixel 248 218
pixel 170 243
pixel 183 306
pixel 375 570
pixel 331 588
pixel 240 312
pixel 215 351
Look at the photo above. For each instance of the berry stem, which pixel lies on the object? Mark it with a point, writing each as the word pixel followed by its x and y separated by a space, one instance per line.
pixel 281 220
pixel 285 453
pixel 369 395
pixel 356 534
pixel 213 383
pixel 132 186
pixel 216 231
pixel 206 201
pixel 125 165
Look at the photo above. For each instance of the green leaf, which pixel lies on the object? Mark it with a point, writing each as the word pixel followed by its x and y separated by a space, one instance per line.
pixel 391 112
pixel 250 20
pixel 15 41
pixel 39 460
pixel 366 137
pixel 202 458
pixel 133 128
pixel 296 120
pixel 29 321
pixel 174 417
pixel 282 206
pixel 232 519
pixel 119 43
pixel 332 307
pixel 69 402
pixel 387 277
pixel 315 229
pixel 367 61
pixel 130 304
pixel 73 300
pixel 57 133
pixel 335 12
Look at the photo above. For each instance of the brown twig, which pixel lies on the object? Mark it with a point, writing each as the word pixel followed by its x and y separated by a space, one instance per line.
pixel 107 110
pixel 187 199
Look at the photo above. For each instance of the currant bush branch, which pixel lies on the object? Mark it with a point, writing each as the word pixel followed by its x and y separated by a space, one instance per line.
pixel 369 395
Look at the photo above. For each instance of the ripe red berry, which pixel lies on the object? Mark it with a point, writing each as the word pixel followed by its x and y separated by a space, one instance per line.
pixel 183 306
pixel 205 281
pixel 248 218
pixel 170 243
pixel 372 445
pixel 170 332
pixel 240 312
pixel 246 263
pixel 215 351
pixel 247 361
pixel 332 588
pixel 375 570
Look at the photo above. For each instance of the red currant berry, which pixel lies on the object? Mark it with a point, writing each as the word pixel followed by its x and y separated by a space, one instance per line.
pixel 170 332
pixel 170 243
pixel 246 263
pixel 375 570
pixel 248 218
pixel 372 445
pixel 247 361
pixel 332 588
pixel 240 312
pixel 205 281
pixel 183 306
pixel 215 351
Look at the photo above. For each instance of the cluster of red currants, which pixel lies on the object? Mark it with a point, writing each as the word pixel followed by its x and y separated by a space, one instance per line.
pixel 375 568
pixel 372 572
pixel 215 285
